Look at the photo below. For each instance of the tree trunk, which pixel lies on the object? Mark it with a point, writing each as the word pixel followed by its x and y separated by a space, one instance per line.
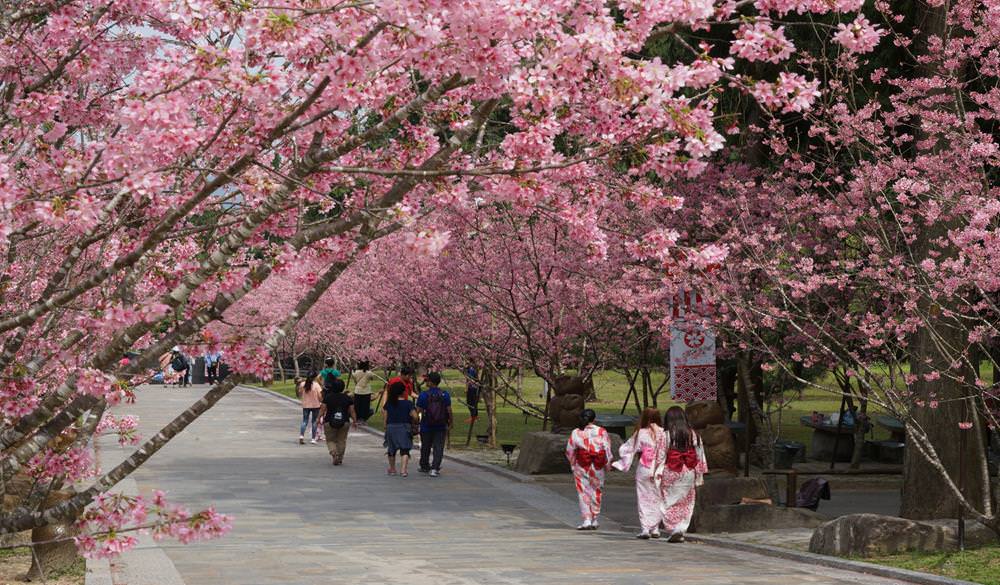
pixel 727 387
pixel 750 385
pixel 925 493
pixel 859 430
pixel 488 389
pixel 50 557
pixel 935 346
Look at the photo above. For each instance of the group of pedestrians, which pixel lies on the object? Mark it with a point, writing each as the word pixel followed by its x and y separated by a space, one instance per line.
pixel 671 464
pixel 177 367
pixel 330 412
pixel 669 454
pixel 327 410
pixel 430 417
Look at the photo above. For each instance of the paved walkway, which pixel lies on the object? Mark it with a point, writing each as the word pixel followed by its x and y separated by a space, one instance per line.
pixel 299 520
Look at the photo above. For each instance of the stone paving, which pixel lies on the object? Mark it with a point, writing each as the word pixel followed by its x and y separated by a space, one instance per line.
pixel 299 520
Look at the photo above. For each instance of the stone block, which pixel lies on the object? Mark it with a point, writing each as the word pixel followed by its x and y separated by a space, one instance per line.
pixel 543 452
pixel 725 489
pixel 751 517
pixel 872 535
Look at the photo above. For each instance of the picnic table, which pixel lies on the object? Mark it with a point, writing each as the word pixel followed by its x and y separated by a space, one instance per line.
pixel 616 423
pixel 895 427
pixel 824 439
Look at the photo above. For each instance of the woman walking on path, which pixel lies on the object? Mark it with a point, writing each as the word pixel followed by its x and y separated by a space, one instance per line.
pixel 399 418
pixel 683 472
pixel 649 445
pixel 589 452
pixel 339 418
pixel 363 391
pixel 310 393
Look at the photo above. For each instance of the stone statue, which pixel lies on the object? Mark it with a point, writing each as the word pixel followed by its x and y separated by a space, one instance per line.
pixel 568 396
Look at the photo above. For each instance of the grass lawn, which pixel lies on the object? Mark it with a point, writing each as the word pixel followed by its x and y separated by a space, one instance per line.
pixel 611 388
pixel 14 565
pixel 979 566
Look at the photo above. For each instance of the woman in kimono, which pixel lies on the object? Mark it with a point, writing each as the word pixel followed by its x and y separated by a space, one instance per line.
pixel 589 452
pixel 648 444
pixel 685 466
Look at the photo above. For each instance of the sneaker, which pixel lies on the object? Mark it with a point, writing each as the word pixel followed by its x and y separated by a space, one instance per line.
pixel 313 441
pixel 642 535
pixel 302 441
pixel 435 473
pixel 654 534
pixel 587 525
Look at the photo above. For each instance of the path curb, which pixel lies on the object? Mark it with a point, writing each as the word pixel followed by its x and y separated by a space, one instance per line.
pixel 904 575
pixel 506 473
pixel 144 564
pixel 98 572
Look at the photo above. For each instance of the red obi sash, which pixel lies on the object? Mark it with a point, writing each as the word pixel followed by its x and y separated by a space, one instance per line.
pixel 586 459
pixel 678 460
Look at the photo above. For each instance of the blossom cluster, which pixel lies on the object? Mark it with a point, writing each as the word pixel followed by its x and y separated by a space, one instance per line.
pixel 109 527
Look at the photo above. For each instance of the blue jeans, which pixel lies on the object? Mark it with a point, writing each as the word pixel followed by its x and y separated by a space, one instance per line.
pixel 306 413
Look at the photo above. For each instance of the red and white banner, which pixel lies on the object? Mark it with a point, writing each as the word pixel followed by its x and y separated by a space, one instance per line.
pixel 692 351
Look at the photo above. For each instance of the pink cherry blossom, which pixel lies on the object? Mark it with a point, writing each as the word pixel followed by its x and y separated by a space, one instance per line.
pixel 761 42
pixel 860 36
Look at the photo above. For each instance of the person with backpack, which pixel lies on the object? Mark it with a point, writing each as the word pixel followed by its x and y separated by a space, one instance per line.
pixel 179 364
pixel 434 406
pixel 337 412
pixel 331 377
pixel 589 452
pixel 649 446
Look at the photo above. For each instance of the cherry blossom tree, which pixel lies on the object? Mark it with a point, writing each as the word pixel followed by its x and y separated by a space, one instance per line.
pixel 161 159
pixel 865 228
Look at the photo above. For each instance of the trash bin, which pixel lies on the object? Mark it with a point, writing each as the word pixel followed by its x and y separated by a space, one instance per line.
pixel 786 453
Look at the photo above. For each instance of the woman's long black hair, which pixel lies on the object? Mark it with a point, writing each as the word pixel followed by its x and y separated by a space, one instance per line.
pixel 586 417
pixel 396 391
pixel 678 430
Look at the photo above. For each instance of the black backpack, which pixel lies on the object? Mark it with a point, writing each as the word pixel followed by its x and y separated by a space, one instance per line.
pixel 178 363
pixel 437 412
pixel 337 418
